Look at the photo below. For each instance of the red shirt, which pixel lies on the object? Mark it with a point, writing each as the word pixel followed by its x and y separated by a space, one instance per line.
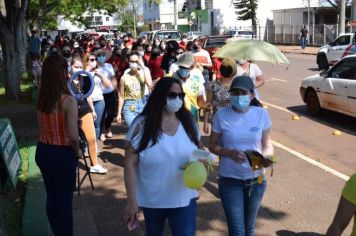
pixel 155 67
pixel 216 67
pixel 182 45
pixel 147 57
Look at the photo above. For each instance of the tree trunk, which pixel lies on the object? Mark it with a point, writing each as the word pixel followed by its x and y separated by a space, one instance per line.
pixel 12 40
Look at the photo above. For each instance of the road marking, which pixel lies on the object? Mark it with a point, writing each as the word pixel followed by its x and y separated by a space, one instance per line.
pixel 278 107
pixel 311 161
pixel 275 79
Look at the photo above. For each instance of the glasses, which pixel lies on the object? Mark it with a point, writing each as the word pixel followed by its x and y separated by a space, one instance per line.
pixel 92 59
pixel 173 95
pixel 178 53
pixel 101 55
pixel 133 61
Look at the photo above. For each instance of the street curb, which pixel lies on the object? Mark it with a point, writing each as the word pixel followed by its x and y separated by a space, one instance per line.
pixel 34 219
pixel 303 53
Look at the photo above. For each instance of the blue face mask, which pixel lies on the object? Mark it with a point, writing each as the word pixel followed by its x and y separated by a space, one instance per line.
pixel 101 59
pixel 240 102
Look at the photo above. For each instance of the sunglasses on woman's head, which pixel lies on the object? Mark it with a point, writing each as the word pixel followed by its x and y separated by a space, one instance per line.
pixel 173 95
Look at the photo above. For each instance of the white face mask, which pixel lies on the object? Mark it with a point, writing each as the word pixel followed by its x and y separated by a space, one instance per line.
pixel 92 64
pixel 174 105
pixel 241 62
pixel 133 66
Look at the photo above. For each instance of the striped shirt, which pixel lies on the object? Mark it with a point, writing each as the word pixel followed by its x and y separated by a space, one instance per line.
pixel 53 128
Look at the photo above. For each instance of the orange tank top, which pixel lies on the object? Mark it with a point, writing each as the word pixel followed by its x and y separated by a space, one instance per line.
pixel 53 127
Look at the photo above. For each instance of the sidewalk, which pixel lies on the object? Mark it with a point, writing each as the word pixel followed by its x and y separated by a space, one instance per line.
pixel 297 49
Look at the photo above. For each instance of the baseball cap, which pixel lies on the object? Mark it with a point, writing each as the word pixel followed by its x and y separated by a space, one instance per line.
pixel 242 82
pixel 186 60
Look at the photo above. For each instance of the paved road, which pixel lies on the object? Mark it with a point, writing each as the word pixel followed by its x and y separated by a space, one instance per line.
pixel 310 135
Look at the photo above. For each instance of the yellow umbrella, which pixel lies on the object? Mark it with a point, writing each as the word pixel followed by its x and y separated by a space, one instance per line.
pixel 255 50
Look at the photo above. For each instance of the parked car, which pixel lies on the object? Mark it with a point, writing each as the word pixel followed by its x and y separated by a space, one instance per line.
pixel 143 33
pixel 332 52
pixel 213 43
pixel 350 50
pixel 334 89
pixel 165 35
pixel 194 34
pixel 241 34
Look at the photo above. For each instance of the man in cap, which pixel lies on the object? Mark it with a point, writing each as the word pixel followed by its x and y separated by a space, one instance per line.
pixel 192 82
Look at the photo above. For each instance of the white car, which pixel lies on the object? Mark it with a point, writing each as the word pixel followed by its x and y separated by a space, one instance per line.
pixel 334 89
pixel 332 52
pixel 191 35
pixel 241 34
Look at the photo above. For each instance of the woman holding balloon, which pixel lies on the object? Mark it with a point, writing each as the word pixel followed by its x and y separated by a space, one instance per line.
pixel 160 141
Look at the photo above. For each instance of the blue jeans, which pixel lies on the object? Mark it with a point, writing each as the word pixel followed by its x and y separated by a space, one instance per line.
pixel 131 109
pixel 240 204
pixel 99 107
pixel 303 42
pixel 181 220
pixel 58 165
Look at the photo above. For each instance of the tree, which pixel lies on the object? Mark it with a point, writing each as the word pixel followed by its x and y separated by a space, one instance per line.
pixel 13 23
pixel 339 6
pixel 246 10
pixel 12 40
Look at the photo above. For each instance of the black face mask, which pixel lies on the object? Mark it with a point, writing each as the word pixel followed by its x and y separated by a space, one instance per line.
pixel 195 47
pixel 67 54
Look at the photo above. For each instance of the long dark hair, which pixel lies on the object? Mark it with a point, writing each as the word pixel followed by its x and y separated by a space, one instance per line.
pixel 153 115
pixel 53 83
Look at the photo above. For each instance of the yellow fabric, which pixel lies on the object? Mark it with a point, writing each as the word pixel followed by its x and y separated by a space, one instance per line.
pixel 349 193
pixel 134 86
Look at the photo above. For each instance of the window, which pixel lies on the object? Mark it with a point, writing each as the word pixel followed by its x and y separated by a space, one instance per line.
pixel 343 40
pixel 107 18
pixel 345 70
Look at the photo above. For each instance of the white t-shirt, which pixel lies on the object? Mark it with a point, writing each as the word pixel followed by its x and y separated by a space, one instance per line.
pixel 108 71
pixel 253 71
pixel 159 182
pixel 240 131
pixel 202 56
pixel 97 93
pixel 173 68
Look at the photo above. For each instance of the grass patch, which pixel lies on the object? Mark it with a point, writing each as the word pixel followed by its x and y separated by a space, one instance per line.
pixel 14 199
pixel 26 88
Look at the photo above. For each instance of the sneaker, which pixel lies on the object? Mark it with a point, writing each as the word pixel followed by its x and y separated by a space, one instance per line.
pixel 102 137
pixel 109 134
pixel 98 169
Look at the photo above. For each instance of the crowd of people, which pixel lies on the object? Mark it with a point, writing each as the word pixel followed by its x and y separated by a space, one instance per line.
pixel 160 90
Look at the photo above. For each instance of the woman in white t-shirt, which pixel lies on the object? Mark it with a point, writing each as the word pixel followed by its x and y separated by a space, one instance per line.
pixel 100 82
pixel 245 67
pixel 110 94
pixel 236 129
pixel 161 140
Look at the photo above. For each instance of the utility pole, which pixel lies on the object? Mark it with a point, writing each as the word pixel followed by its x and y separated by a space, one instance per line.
pixel 175 9
pixel 134 17
pixel 308 16
pixel 342 17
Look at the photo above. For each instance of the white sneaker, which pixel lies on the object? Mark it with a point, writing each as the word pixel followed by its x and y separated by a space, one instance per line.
pixel 98 169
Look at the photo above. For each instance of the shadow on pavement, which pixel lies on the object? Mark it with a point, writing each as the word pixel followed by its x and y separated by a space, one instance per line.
pixel 290 233
pixel 330 118
pixel 314 69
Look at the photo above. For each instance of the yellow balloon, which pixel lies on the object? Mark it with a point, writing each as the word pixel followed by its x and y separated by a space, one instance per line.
pixel 194 176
